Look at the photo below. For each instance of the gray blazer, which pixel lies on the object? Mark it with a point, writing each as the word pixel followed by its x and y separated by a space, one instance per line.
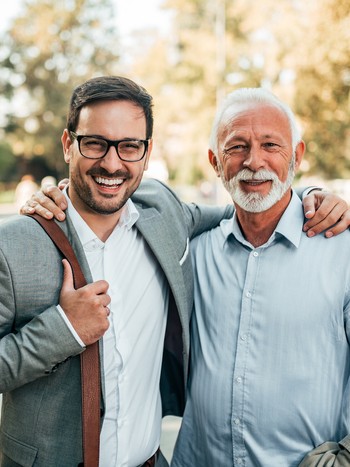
pixel 39 357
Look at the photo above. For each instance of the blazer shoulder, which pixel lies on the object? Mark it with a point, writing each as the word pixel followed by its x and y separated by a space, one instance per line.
pixel 151 192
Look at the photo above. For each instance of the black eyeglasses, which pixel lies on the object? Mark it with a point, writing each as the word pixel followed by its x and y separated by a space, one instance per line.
pixel 95 147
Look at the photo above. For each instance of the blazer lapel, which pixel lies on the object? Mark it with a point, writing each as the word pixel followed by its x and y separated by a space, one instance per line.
pixel 165 248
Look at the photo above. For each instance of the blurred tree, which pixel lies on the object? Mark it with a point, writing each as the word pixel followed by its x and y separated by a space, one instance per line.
pixel 6 161
pixel 322 93
pixel 214 47
pixel 51 47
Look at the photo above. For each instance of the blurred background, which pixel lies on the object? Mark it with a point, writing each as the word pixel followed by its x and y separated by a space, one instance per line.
pixel 188 54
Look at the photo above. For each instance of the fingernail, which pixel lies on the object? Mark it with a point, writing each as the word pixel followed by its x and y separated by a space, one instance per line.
pixel 329 234
pixel 310 233
pixel 60 217
pixel 308 213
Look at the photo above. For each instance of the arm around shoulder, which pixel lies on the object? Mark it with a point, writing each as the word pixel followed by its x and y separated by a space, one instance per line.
pixel 201 218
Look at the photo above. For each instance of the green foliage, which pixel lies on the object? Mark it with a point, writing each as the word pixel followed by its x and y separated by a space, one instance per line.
pixel 7 162
pixel 213 48
pixel 51 47
pixel 300 50
pixel 322 96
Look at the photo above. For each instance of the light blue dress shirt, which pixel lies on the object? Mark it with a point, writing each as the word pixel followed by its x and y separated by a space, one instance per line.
pixel 270 359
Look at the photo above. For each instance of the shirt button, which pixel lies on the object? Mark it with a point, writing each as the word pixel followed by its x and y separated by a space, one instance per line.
pixel 255 253
pixel 239 379
pixel 248 294
pixel 236 421
pixel 243 337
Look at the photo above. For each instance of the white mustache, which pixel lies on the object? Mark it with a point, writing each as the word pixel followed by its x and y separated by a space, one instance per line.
pixel 261 175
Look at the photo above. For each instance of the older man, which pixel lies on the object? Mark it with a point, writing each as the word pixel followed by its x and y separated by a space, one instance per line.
pixel 270 354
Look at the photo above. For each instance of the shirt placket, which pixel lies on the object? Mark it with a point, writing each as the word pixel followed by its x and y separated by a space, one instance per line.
pixel 241 369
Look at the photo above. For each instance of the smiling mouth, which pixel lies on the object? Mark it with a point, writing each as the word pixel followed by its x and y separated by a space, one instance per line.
pixel 255 182
pixel 109 182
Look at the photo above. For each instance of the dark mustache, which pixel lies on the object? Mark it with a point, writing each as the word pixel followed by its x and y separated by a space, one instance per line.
pixel 99 172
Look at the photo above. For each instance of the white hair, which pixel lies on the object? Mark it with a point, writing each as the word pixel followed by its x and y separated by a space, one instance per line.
pixel 254 96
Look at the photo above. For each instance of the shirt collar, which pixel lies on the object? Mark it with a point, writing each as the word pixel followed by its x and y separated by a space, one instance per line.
pixel 128 218
pixel 289 226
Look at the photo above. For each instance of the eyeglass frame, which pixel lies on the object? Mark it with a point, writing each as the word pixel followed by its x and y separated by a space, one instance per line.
pixel 110 143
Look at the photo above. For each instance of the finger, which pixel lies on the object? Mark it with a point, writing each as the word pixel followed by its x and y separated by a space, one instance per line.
pixel 99 288
pixel 32 207
pixel 68 281
pixel 332 207
pixel 340 226
pixel 108 311
pixel 327 216
pixel 335 219
pixel 27 208
pixel 46 207
pixel 63 183
pixel 105 299
pixel 309 206
pixel 51 192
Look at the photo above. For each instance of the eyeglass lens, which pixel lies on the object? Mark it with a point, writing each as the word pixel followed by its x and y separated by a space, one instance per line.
pixel 95 148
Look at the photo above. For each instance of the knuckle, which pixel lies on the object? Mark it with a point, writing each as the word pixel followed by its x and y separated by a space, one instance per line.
pixel 95 302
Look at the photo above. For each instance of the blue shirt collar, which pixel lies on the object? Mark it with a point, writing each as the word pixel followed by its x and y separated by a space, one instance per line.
pixel 290 225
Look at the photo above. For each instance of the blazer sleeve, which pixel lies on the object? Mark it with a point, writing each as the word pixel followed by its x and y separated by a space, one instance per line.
pixel 33 349
pixel 329 454
pixel 200 218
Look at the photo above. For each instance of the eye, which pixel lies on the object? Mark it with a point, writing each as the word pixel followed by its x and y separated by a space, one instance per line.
pixel 271 146
pixel 93 143
pixel 131 146
pixel 236 149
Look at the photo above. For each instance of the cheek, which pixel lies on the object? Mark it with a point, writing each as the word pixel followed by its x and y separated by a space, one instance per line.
pixel 231 167
pixel 138 169
pixel 79 165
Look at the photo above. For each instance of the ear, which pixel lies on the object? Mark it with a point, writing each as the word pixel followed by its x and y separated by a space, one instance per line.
pixel 66 144
pixel 147 156
pixel 299 154
pixel 214 162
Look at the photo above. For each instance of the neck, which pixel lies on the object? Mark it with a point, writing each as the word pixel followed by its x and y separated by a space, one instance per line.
pixel 257 227
pixel 101 224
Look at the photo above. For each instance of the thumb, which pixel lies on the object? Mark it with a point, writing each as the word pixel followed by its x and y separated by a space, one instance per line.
pixel 68 282
pixel 309 206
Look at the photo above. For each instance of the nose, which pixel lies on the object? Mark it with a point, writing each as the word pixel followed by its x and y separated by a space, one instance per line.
pixel 111 161
pixel 255 159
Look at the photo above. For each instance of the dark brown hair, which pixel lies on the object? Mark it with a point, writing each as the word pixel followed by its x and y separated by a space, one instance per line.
pixel 110 88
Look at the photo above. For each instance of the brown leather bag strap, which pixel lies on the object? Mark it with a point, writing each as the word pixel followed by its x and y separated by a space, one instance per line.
pixel 89 359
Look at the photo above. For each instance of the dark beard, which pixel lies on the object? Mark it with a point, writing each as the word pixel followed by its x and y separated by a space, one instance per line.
pixel 85 195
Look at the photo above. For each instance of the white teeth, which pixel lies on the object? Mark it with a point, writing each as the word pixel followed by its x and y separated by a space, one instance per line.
pixel 255 182
pixel 108 181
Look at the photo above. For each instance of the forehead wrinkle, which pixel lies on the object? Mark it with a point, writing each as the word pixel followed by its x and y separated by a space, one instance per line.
pixel 247 125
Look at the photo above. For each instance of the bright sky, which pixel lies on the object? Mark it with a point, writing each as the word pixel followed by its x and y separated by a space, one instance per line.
pixel 131 14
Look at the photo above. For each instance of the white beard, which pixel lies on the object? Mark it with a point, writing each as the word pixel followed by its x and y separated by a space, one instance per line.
pixel 256 202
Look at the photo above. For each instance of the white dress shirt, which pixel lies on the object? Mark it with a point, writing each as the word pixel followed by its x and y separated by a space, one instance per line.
pixel 133 344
